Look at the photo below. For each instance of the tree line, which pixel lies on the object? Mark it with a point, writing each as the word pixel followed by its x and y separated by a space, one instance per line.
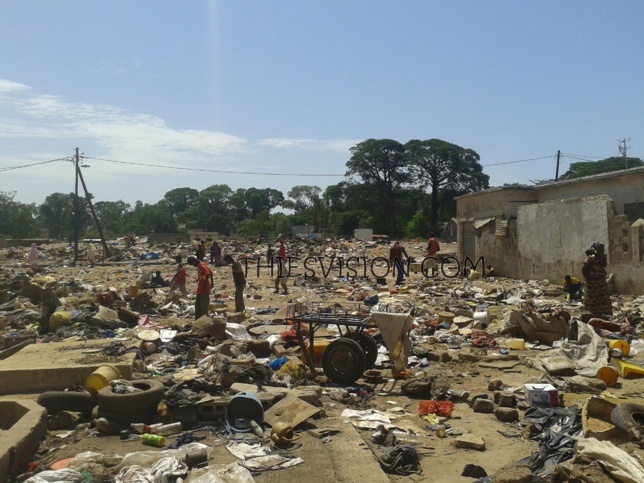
pixel 397 189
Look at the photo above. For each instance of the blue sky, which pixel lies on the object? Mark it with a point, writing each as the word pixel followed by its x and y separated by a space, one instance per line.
pixel 287 87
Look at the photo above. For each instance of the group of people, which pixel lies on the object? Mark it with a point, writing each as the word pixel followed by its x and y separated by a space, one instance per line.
pixel 398 254
pixel 205 277
pixel 595 293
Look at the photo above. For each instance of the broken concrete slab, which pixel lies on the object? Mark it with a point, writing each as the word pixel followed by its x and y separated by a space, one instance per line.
pixel 22 424
pixel 290 410
pixel 60 365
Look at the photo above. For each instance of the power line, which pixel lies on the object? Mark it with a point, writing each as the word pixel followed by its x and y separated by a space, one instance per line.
pixel 9 168
pixel 210 170
pixel 520 161
pixel 575 157
pixel 582 156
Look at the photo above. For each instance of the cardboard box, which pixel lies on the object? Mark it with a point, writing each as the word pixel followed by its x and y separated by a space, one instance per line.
pixel 541 395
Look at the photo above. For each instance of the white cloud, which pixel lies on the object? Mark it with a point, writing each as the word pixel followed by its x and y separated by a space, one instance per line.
pixel 311 144
pixel 10 86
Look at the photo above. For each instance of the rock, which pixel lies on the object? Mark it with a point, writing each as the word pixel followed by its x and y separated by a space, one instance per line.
pixel 470 441
pixel 213 326
pixel 483 406
pixel 505 399
pixel 417 387
pixel 507 415
pixel 62 420
pixel 513 473
pixel 261 348
pixel 236 317
pixel 495 385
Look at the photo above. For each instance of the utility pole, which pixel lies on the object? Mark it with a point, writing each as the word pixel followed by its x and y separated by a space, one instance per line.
pixel 624 149
pixel 88 197
pixel 558 158
pixel 76 209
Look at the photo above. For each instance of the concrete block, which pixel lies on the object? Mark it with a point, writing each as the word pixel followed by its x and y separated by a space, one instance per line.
pixel 483 406
pixel 470 441
pixel 22 424
pixel 60 365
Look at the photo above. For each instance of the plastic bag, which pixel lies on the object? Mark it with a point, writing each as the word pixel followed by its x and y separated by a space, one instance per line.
pixel 440 408
pixel 232 473
pixel 64 475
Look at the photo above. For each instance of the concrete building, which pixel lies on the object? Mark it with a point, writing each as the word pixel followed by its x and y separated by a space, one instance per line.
pixel 542 231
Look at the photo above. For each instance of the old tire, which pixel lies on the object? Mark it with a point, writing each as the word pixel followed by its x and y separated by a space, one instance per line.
pixel 146 416
pixel 150 396
pixel 628 416
pixel 344 361
pixel 368 345
pixel 54 401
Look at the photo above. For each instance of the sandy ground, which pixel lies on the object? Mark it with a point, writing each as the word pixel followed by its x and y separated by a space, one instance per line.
pixel 349 455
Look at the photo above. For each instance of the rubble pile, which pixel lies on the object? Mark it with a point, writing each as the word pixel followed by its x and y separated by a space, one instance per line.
pixel 485 378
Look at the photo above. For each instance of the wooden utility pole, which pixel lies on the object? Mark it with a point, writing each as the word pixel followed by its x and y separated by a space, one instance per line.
pixel 76 209
pixel 558 158
pixel 88 196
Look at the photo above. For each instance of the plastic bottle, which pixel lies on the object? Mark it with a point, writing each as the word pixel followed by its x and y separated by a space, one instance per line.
pixel 257 429
pixel 152 440
pixel 141 428
pixel 169 429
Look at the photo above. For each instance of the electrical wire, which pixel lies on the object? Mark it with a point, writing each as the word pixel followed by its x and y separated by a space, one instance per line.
pixel 580 159
pixel 520 161
pixel 582 156
pixel 9 168
pixel 211 170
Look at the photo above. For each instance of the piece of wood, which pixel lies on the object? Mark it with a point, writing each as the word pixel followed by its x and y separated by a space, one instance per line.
pixel 290 410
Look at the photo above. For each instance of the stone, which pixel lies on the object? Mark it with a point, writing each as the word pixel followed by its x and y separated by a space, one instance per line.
pixel 236 317
pixel 62 420
pixel 483 406
pixel 495 385
pixel 513 473
pixel 507 415
pixel 261 348
pixel 469 441
pixel 505 399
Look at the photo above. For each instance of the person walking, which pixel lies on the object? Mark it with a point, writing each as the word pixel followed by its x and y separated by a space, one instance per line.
pixel 282 270
pixel 240 282
pixel 396 254
pixel 433 247
pixel 200 253
pixel 178 281
pixel 205 283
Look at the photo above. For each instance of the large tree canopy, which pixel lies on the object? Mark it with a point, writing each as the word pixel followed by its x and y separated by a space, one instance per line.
pixel 590 168
pixel 447 167
pixel 381 164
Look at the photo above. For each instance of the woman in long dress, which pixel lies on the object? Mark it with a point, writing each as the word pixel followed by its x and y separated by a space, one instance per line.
pixel 596 296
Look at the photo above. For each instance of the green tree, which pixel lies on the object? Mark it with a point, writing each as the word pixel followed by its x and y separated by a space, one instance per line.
pixel 381 165
pixel 213 212
pixel 58 214
pixel 446 166
pixel 112 214
pixel 17 220
pixel 181 199
pixel 308 206
pixel 590 168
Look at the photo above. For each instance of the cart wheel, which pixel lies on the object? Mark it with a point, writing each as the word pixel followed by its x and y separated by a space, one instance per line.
pixel 344 361
pixel 368 345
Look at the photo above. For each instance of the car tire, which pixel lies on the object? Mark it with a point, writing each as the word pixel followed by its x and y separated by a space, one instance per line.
pixel 368 344
pixel 54 401
pixel 344 361
pixel 628 416
pixel 149 397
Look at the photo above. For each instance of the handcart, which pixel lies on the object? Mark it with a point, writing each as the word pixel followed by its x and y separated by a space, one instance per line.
pixel 345 359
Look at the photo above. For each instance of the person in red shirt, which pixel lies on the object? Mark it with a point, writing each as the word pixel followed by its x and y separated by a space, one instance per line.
pixel 433 247
pixel 396 253
pixel 205 283
pixel 179 280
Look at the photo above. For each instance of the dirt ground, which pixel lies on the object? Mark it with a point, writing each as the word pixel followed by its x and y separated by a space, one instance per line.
pixel 349 455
